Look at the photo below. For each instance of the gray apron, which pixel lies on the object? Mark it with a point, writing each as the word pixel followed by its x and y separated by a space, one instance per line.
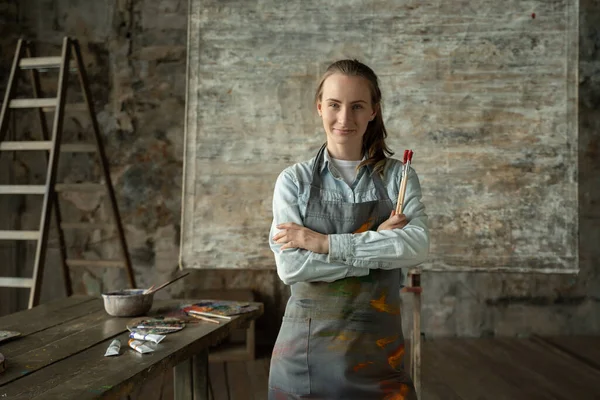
pixel 342 340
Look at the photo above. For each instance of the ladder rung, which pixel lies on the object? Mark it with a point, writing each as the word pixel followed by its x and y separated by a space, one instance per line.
pixel 33 103
pixel 19 235
pixel 40 62
pixel 96 263
pixel 45 63
pixel 16 282
pixel 22 189
pixel 26 145
pixel 79 187
pixel 47 145
pixel 85 225
pixel 68 107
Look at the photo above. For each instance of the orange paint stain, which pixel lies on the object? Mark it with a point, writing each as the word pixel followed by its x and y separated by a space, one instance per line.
pixel 360 366
pixel 338 342
pixel 386 340
pixel 380 305
pixel 401 395
pixel 395 359
pixel 395 390
pixel 365 227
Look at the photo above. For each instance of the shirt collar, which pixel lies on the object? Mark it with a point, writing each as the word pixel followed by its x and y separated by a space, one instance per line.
pixel 327 160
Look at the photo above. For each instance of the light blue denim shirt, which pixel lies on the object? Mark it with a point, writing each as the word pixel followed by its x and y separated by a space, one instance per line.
pixel 350 254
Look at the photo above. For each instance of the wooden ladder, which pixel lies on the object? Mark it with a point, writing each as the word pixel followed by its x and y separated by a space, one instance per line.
pixel 69 60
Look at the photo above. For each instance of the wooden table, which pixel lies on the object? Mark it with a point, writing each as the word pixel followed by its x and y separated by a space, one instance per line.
pixel 60 354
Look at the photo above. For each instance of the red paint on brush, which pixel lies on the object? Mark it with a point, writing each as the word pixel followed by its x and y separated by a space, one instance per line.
pixel 533 15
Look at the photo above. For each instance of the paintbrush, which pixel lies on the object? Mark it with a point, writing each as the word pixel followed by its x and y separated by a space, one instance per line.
pixel 207 314
pixel 408 154
pixel 150 290
pixel 214 321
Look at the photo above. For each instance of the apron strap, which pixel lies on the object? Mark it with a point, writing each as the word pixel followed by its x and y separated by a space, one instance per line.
pixel 315 186
pixel 379 186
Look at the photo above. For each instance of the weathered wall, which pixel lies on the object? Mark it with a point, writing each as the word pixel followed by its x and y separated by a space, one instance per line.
pixel 484 94
pixel 135 51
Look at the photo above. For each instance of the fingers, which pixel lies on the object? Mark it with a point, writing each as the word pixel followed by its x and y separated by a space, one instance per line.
pixel 288 245
pixel 288 225
pixel 278 236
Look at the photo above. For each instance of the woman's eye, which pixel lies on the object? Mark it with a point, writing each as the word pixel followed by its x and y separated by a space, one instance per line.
pixel 357 107
pixel 334 105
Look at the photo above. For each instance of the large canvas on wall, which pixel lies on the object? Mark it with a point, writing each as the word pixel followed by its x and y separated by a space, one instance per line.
pixel 484 92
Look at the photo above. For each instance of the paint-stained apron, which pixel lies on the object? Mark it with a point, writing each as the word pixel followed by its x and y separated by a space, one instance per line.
pixel 342 340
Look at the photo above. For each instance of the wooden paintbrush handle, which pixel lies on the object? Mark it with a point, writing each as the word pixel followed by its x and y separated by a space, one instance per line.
pixel 401 194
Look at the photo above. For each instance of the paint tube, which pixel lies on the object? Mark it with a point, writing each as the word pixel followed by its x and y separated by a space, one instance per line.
pixel 113 349
pixel 140 347
pixel 151 337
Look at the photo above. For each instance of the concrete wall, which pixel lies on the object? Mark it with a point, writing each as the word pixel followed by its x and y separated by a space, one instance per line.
pixel 135 53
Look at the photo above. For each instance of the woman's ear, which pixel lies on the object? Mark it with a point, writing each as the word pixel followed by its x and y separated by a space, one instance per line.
pixel 319 109
pixel 375 110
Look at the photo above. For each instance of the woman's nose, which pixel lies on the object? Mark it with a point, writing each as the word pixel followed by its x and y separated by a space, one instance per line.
pixel 345 115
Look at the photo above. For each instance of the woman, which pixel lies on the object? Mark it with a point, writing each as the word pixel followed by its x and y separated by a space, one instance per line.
pixel 339 244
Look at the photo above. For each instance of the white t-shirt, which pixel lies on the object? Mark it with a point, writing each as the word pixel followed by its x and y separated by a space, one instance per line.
pixel 346 168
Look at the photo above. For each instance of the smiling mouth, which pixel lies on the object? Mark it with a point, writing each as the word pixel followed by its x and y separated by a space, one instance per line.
pixel 343 131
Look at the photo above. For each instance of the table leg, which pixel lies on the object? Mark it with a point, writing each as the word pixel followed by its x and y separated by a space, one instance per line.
pixel 191 378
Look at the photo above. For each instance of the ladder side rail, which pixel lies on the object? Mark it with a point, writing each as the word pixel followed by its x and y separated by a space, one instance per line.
pixel 38 267
pixel 37 90
pixel 103 161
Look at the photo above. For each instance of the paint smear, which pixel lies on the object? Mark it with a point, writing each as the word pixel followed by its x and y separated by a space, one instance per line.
pixel 360 366
pixel 395 359
pixel 338 343
pixel 380 305
pixel 386 340
pixel 346 287
pixel 365 227
pixel 400 394
pixel 395 390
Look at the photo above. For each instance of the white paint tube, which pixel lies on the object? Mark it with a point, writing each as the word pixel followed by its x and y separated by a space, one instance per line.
pixel 149 336
pixel 113 349
pixel 140 346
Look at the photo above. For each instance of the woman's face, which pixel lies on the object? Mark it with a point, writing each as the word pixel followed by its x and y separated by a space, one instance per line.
pixel 346 110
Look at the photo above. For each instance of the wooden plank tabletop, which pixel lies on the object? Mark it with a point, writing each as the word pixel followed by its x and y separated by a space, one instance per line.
pixel 61 351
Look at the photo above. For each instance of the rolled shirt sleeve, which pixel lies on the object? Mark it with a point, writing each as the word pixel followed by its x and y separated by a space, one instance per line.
pixel 299 265
pixel 351 254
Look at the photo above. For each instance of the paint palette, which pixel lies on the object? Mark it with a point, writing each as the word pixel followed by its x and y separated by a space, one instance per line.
pixel 155 326
pixel 5 335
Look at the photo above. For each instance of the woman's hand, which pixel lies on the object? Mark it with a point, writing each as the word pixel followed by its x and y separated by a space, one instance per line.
pixel 395 221
pixel 296 236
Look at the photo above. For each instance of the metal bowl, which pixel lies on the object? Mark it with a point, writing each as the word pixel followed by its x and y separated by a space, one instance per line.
pixel 127 302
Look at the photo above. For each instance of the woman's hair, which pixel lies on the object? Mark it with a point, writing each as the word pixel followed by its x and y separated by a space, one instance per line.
pixel 374 146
